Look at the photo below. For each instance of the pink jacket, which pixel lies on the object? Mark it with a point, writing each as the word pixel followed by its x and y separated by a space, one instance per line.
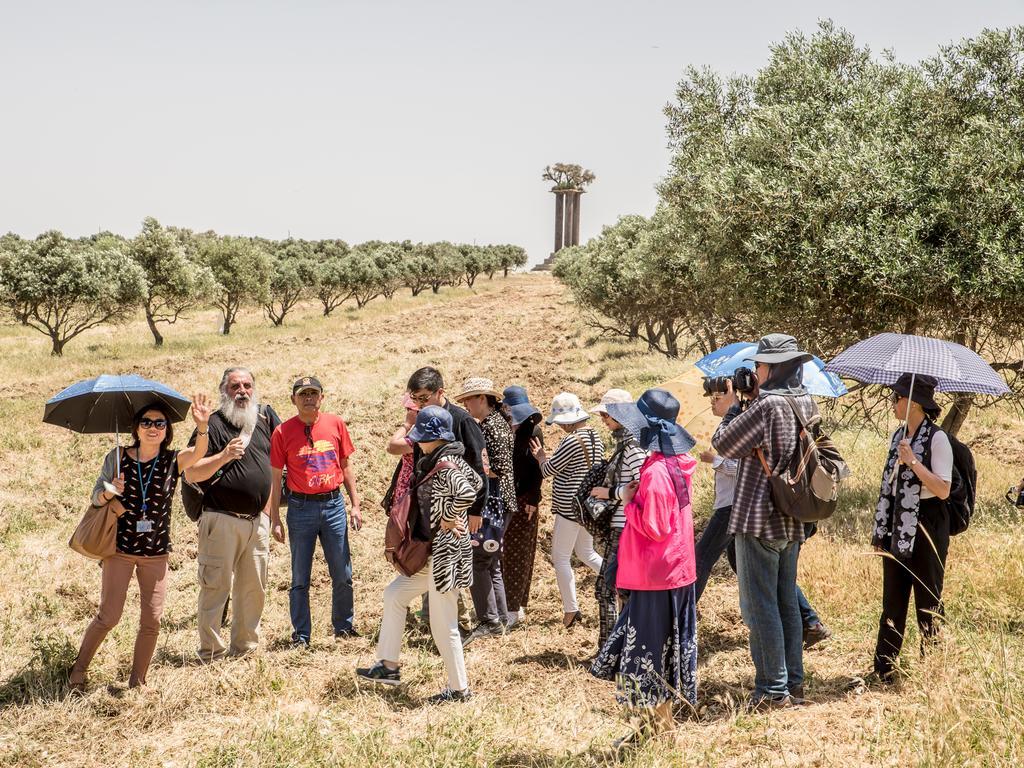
pixel 656 548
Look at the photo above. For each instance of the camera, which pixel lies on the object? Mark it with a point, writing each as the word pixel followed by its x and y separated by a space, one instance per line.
pixel 743 383
pixel 1015 495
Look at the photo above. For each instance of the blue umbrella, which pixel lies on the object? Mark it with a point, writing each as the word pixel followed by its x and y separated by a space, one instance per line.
pixel 108 403
pixel 725 361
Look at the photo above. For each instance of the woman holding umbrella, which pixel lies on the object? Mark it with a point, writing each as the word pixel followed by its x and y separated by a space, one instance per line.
pixel 911 520
pixel 144 476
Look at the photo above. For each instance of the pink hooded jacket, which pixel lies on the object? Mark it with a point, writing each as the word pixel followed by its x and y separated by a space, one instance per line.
pixel 656 548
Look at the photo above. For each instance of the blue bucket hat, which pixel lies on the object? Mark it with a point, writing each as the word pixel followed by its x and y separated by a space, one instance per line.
pixel 432 423
pixel 519 406
pixel 660 410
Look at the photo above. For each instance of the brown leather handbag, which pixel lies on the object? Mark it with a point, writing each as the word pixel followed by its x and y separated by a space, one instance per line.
pixel 96 534
pixel 406 554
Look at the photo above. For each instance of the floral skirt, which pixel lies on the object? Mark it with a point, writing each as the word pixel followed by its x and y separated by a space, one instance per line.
pixel 652 651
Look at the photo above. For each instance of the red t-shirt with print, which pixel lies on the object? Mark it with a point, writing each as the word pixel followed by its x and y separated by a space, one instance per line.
pixel 316 461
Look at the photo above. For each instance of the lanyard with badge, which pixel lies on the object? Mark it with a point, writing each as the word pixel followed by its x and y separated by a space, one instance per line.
pixel 144 524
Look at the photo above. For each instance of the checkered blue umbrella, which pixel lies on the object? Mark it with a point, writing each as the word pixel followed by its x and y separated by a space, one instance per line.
pixel 882 358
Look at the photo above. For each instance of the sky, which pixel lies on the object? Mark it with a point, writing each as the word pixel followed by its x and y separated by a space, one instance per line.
pixel 428 120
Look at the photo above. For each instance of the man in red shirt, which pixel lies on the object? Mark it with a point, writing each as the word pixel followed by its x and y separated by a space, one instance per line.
pixel 315 447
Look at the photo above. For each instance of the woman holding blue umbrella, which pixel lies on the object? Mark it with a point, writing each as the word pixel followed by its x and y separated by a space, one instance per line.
pixel 144 476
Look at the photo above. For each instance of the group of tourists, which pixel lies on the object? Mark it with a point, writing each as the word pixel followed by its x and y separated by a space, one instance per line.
pixel 469 475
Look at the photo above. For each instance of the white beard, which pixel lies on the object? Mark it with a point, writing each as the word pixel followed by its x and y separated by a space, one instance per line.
pixel 244 416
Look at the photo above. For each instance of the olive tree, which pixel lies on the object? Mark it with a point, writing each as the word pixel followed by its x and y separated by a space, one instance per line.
pixel 64 287
pixel 242 268
pixel 293 274
pixel 175 282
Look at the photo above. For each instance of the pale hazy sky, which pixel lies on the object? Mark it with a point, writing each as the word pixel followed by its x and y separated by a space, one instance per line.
pixel 391 120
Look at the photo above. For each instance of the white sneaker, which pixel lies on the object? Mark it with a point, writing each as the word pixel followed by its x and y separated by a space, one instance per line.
pixel 522 614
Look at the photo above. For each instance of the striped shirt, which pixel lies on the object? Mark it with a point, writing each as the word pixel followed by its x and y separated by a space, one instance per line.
pixel 568 465
pixel 768 423
pixel 624 469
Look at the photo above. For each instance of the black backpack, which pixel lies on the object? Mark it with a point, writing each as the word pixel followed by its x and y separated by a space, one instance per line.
pixel 963 487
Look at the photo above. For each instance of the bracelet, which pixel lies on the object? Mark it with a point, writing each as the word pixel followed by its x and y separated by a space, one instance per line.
pixel 202 434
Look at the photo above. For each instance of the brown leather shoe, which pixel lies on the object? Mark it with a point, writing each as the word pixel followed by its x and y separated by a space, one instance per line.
pixel 768 703
pixel 815 634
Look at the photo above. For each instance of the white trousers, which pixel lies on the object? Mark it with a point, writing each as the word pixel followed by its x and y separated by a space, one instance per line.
pixel 444 623
pixel 566 538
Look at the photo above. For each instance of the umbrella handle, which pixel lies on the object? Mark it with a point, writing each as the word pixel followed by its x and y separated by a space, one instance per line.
pixel 906 429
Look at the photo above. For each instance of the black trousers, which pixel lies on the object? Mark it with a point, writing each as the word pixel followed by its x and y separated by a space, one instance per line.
pixel 923 574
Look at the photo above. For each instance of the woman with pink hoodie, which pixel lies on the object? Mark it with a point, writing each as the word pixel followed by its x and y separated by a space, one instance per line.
pixel 652 651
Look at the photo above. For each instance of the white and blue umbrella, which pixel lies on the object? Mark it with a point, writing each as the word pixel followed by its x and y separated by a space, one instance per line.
pixel 725 361
pixel 881 359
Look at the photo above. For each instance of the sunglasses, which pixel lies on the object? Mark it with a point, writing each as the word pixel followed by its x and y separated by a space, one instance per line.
pixel 421 399
pixel 309 435
pixel 150 423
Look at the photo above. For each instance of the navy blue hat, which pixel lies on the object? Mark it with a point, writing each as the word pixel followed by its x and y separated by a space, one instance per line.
pixel 432 423
pixel 519 406
pixel 662 434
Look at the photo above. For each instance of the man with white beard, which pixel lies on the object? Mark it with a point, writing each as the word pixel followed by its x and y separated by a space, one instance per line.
pixel 234 530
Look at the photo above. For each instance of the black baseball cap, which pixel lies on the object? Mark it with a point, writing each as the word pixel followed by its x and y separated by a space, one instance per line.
pixel 307 382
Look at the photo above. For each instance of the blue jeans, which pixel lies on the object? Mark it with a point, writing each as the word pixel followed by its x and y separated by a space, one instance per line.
pixel 308 520
pixel 768 602
pixel 714 541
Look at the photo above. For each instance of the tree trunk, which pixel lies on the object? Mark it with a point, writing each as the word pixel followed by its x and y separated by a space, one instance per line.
pixel 470 279
pixel 228 320
pixel 58 345
pixel 506 272
pixel 157 338
pixel 435 287
pixel 957 414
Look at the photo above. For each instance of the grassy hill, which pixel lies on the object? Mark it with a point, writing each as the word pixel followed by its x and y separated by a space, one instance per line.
pixel 536 704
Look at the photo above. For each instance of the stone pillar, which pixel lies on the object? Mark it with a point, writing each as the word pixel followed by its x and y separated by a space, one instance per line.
pixel 577 195
pixel 559 219
pixel 569 203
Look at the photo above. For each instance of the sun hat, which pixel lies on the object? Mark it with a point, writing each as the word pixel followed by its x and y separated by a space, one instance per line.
pixel 432 423
pixel 519 406
pixel 660 409
pixel 566 408
pixel 476 385
pixel 612 396
pixel 778 348
pixel 923 394
pixel 629 416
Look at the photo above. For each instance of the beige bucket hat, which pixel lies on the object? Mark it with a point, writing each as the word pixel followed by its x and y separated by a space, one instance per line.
pixel 477 385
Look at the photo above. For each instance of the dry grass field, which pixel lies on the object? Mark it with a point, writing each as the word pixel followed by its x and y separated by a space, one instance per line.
pixel 536 704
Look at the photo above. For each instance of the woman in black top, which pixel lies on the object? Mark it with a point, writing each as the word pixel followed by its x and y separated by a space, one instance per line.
pixel 521 533
pixel 145 481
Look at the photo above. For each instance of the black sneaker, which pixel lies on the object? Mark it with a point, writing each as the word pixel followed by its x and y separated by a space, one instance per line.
pixel 300 644
pixel 448 696
pixel 483 630
pixel 378 673
pixel 346 634
pixel 815 634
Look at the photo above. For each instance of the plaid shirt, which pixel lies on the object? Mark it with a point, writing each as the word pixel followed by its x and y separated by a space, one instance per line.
pixel 768 424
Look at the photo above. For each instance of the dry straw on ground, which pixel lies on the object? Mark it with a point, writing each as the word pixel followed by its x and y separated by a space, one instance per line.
pixel 535 705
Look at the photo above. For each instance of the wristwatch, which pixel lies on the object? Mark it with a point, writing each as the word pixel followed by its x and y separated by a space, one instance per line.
pixel 913 463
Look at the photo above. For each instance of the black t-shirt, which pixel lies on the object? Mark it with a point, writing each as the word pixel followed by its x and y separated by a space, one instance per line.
pixel 241 486
pixel 159 477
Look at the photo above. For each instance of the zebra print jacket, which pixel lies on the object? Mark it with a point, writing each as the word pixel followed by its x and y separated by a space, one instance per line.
pixel 449 496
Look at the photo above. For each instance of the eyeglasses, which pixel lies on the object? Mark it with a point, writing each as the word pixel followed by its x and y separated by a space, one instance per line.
pixel 150 423
pixel 309 435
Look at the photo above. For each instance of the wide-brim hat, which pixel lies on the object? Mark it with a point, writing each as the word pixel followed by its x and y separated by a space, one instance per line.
pixel 432 423
pixel 515 399
pixel 629 416
pixel 923 393
pixel 566 408
pixel 779 348
pixel 612 396
pixel 476 385
pixel 660 409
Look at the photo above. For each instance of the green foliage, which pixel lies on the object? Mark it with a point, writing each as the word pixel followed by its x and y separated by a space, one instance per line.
pixel 242 268
pixel 832 195
pixel 63 287
pixel 331 275
pixel 175 281
pixel 293 274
